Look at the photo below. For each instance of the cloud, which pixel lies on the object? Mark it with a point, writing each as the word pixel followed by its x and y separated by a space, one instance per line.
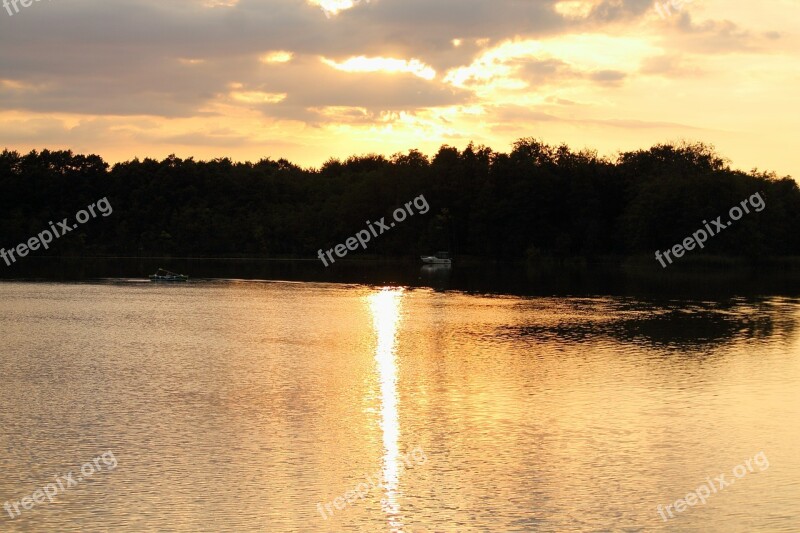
pixel 147 57
pixel 718 37
pixel 607 76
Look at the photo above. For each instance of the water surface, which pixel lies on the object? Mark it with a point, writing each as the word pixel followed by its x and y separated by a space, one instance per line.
pixel 241 406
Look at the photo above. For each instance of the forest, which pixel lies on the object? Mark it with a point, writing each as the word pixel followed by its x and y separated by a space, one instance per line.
pixel 535 201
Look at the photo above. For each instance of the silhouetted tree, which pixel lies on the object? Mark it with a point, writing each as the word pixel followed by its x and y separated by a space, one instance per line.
pixel 536 200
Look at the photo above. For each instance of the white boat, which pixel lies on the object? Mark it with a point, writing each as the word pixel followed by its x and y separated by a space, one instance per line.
pixel 166 275
pixel 440 258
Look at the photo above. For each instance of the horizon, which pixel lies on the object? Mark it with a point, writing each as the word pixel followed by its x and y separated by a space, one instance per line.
pixel 612 159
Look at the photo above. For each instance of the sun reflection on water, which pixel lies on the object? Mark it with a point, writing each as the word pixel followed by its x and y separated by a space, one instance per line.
pixel 385 307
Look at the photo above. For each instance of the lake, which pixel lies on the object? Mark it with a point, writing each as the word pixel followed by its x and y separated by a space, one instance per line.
pixel 245 405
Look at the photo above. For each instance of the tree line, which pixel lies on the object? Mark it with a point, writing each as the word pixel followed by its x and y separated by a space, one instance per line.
pixel 535 201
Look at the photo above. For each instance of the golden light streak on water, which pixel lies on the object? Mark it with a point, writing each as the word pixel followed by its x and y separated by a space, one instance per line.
pixel 385 307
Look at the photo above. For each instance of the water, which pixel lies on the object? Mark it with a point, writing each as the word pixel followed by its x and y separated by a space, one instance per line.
pixel 242 405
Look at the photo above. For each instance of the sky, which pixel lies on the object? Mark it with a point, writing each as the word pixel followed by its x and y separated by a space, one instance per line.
pixel 313 79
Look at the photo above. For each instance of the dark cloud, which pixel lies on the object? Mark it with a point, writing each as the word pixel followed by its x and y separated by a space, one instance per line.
pixel 539 71
pixel 714 37
pixel 124 57
pixel 607 76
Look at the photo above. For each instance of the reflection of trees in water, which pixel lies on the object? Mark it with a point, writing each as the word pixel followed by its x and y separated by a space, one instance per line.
pixel 673 325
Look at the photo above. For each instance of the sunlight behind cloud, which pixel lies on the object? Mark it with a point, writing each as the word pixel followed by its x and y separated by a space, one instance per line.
pixel 220 3
pixel 334 7
pixel 496 68
pixel 277 56
pixel 575 9
pixel 383 64
pixel 16 85
pixel 258 97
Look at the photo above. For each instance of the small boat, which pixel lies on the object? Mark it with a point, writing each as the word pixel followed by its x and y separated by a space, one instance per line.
pixel 440 258
pixel 166 275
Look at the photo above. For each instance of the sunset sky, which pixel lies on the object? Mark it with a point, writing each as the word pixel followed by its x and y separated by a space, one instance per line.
pixel 313 79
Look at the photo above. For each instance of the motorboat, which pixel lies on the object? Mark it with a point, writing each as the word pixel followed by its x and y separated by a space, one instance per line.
pixel 165 275
pixel 440 258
